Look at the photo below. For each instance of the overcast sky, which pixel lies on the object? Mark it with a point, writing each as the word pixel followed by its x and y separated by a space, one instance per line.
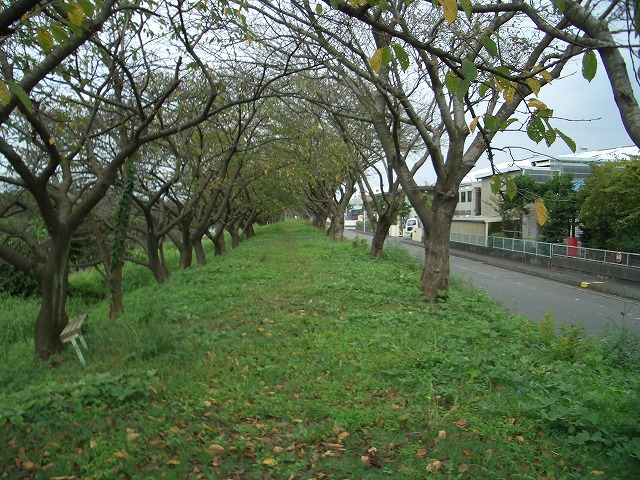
pixel 585 111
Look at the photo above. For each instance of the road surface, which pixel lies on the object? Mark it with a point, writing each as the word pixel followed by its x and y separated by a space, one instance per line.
pixel 534 297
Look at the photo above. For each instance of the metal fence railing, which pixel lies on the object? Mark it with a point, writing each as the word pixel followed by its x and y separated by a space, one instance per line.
pixel 544 249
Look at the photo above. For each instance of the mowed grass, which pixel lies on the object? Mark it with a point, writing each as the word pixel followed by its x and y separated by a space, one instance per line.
pixel 294 357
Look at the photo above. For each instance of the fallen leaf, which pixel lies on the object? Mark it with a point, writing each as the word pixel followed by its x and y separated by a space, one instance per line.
pixel 520 438
pixel 342 436
pixel 421 452
pixel 468 453
pixel 269 462
pixel 463 467
pixel 598 473
pixel 442 434
pixel 173 462
pixel 277 449
pixel 121 454
pixel 461 423
pixel 364 459
pixel 215 448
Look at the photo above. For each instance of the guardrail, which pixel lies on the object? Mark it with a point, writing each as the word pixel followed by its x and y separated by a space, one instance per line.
pixel 544 249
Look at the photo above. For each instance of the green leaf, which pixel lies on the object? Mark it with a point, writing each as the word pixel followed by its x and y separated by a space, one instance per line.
pixel 319 9
pixel 463 88
pixel 484 88
pixel 21 94
pixel 507 123
pixel 496 184
pixel 402 56
pixel 558 5
pixel 59 33
pixel 386 56
pixel 466 6
pixel 87 7
pixel 469 69
pixel 536 129
pixel 589 65
pixel 490 123
pixel 452 82
pixel 490 45
pixel 334 3
pixel 512 189
pixel 544 112
pixel 569 141
pixel 550 136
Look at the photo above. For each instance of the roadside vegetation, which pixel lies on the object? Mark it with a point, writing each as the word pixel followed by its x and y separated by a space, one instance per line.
pixel 297 357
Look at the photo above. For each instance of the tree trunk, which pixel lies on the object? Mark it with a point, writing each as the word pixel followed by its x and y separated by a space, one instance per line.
pixel 156 263
pixel 201 257
pixel 52 317
pixel 380 235
pixel 337 227
pixel 219 245
pixel 249 231
pixel 116 306
pixel 235 235
pixel 435 274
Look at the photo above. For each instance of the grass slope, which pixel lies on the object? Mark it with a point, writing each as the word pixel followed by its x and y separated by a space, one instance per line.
pixel 293 357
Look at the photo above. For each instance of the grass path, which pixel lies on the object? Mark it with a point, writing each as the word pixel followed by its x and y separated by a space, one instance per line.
pixel 293 357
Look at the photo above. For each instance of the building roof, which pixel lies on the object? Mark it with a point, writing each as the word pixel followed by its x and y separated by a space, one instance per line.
pixel 543 163
pixel 605 155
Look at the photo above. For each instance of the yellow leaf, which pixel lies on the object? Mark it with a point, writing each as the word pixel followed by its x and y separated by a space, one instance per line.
pixel 450 10
pixel 442 434
pixel 76 14
pixel 498 86
pixel 376 60
pixel 45 39
pixel 537 104
pixel 364 459
pixel 52 140
pixel 269 462
pixel 597 472
pixel 509 93
pixel 474 124
pixel 215 448
pixel 5 94
pixel 546 75
pixel 541 212
pixel 173 461
pixel 463 467
pixel 534 85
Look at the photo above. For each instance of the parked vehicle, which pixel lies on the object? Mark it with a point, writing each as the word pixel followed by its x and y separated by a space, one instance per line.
pixel 409 226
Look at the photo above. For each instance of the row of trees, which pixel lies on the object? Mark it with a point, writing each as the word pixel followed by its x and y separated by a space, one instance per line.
pixel 130 123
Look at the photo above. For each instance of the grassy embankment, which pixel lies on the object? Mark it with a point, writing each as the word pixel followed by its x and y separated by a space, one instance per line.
pixel 295 357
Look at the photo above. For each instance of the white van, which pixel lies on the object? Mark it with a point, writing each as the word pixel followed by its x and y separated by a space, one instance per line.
pixel 410 224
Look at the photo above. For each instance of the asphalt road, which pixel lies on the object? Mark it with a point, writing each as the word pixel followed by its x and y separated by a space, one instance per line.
pixel 534 297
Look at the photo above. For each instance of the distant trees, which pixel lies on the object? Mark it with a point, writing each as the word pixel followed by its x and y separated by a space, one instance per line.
pixel 610 207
